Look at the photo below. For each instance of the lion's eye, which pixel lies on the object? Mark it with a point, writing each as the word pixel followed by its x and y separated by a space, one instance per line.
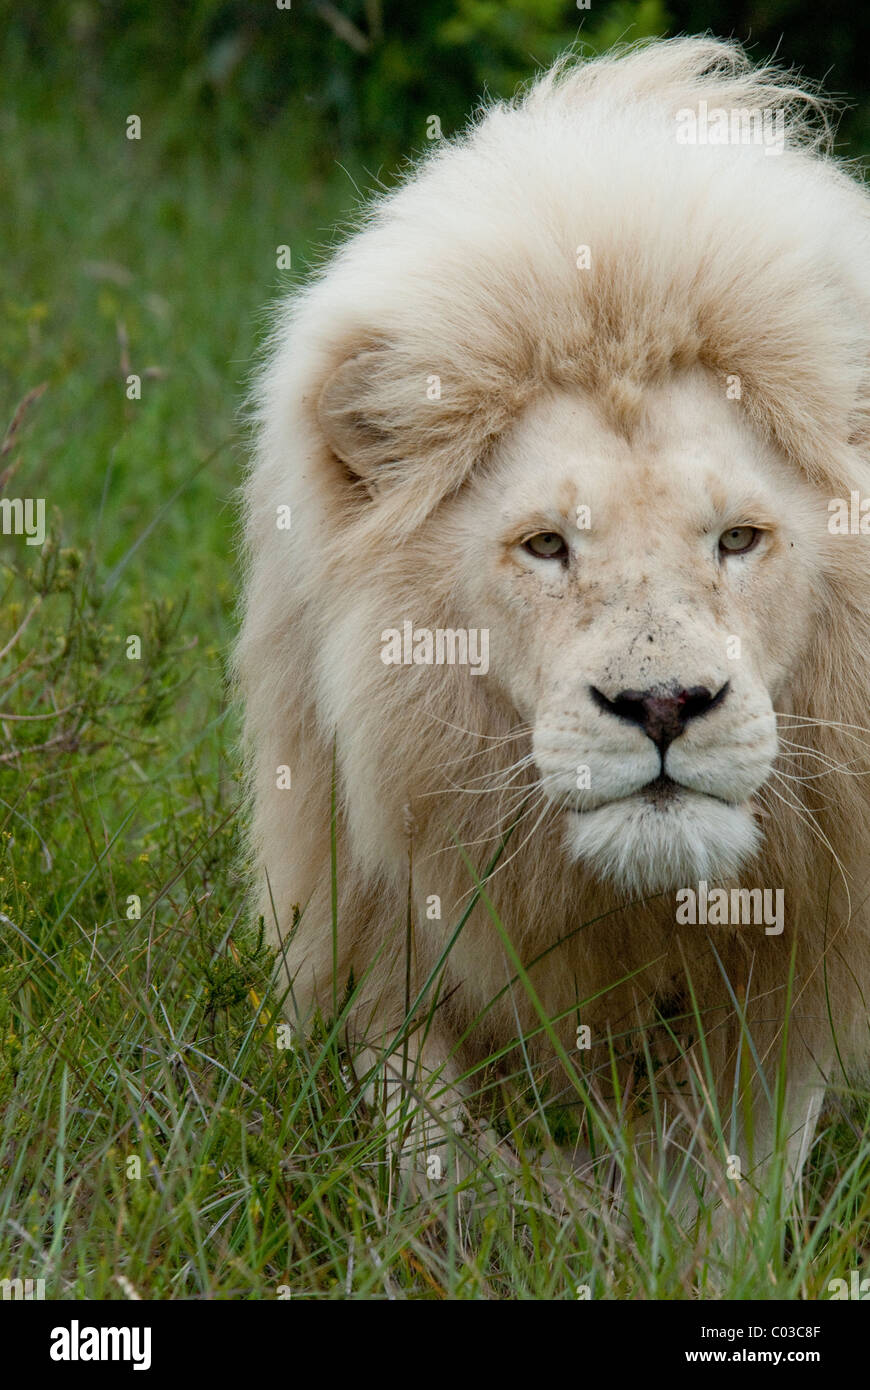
pixel 739 540
pixel 547 545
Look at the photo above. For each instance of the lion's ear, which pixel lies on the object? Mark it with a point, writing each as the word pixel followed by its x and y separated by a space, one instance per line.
pixel 343 411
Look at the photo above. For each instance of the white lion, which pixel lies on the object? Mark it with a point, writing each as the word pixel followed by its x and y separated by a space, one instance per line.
pixel 588 384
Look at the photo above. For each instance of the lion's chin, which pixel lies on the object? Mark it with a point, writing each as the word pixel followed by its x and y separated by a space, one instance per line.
pixel 650 845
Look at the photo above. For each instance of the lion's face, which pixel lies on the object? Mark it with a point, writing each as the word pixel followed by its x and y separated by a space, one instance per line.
pixel 649 646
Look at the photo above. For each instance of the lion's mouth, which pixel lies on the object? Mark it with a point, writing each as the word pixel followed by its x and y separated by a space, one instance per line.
pixel 662 789
pixel 663 793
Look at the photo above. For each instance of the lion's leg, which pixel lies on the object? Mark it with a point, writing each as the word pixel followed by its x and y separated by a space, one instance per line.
pixel 804 1100
pixel 423 1108
pixel 438 1142
pixel 695 1163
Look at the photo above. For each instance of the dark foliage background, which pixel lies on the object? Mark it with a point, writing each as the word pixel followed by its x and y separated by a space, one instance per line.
pixel 362 75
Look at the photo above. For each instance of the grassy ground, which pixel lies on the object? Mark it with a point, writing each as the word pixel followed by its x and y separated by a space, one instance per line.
pixel 156 1138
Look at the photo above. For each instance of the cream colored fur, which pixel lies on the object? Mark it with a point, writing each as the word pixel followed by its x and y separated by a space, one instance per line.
pixel 563 386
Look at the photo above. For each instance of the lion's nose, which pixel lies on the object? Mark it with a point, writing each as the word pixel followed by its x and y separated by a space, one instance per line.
pixel 662 712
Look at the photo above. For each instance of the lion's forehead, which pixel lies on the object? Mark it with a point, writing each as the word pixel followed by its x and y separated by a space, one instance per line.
pixel 690 462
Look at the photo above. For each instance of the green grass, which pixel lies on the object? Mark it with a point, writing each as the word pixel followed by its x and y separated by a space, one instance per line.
pixel 156 1137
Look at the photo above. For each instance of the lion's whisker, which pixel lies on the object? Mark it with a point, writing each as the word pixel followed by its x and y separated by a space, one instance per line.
pixel 806 815
pixel 814 776
pixel 497 828
pixel 549 806
pixel 797 752
pixel 472 733
pixel 480 752
pixel 806 721
pixel 534 791
pixel 506 775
